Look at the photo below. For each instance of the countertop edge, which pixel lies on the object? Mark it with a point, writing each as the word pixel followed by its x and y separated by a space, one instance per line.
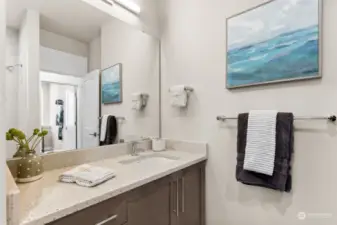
pixel 12 198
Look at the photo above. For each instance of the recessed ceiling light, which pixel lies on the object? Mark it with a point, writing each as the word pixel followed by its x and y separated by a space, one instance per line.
pixel 129 5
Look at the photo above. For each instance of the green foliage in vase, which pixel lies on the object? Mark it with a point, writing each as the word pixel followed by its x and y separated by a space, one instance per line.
pixel 21 139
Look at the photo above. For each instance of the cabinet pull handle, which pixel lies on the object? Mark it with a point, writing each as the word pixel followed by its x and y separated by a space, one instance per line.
pixel 177 205
pixel 172 192
pixel 107 220
pixel 183 194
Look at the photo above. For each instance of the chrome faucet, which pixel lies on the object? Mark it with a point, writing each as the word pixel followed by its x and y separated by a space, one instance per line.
pixel 134 144
pixel 134 148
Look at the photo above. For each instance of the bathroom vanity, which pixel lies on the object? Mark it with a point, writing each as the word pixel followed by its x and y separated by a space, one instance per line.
pixel 175 199
pixel 159 188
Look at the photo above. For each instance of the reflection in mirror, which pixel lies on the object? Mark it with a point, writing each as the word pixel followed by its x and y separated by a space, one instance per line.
pixel 85 77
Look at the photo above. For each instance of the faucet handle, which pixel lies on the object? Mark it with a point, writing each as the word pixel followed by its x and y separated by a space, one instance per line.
pixel 145 138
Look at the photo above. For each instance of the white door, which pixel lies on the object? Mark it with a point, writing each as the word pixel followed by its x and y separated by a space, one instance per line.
pixel 70 108
pixel 90 110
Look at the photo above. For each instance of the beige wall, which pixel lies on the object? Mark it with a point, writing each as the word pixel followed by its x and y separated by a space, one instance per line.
pixel 29 83
pixel 193 53
pixel 12 84
pixel 95 54
pixel 2 114
pixel 63 44
pixel 139 55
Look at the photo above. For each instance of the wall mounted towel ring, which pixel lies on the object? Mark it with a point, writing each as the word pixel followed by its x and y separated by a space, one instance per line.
pixel 187 89
pixel 179 95
pixel 11 68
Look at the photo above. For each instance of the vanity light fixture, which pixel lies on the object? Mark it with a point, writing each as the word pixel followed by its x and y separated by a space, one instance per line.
pixel 129 5
pixel 109 2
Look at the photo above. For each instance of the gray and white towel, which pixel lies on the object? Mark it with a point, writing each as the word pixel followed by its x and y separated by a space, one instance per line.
pixel 104 123
pixel 261 142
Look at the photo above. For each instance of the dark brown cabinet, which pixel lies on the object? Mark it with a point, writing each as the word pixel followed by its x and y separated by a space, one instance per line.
pixel 150 204
pixel 188 197
pixel 178 199
pixel 190 200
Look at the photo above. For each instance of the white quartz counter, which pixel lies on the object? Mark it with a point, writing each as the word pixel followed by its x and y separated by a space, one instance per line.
pixel 48 199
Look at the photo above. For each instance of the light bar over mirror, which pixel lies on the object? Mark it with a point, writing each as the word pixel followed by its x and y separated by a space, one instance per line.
pixel 129 5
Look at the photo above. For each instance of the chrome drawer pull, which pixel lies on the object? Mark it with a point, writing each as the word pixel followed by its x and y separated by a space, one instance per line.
pixel 107 220
pixel 172 191
pixel 177 198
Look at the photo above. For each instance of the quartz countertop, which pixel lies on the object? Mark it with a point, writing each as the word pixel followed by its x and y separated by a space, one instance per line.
pixel 48 199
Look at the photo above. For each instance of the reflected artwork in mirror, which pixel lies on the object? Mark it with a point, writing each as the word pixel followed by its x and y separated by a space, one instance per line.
pixel 111 84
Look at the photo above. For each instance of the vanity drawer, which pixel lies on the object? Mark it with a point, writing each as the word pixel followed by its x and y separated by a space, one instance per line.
pixel 110 212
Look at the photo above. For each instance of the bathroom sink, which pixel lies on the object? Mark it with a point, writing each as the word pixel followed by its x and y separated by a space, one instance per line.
pixel 149 159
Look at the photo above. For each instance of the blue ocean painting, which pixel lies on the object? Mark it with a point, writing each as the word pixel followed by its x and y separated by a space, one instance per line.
pixel 269 46
pixel 111 93
pixel 111 85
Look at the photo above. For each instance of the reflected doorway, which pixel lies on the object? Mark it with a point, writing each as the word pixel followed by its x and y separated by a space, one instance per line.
pixel 59 116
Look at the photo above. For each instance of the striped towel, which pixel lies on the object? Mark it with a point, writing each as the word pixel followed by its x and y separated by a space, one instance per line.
pixel 261 142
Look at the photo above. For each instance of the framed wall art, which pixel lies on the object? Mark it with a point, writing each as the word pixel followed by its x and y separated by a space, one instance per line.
pixel 111 85
pixel 274 42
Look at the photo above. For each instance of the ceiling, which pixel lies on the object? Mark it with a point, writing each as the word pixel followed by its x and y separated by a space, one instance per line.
pixel 72 18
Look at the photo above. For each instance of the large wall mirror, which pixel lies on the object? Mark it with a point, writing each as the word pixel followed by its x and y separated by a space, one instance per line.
pixel 86 77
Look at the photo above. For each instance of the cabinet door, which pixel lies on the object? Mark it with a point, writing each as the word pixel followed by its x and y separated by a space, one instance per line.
pixel 191 199
pixel 150 204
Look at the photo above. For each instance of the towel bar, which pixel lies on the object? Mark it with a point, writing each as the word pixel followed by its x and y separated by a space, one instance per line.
pixel 331 118
pixel 118 118
pixel 188 89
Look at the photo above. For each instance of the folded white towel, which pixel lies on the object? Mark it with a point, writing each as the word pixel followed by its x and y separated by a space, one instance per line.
pixel 104 123
pixel 137 101
pixel 178 96
pixel 261 142
pixel 87 176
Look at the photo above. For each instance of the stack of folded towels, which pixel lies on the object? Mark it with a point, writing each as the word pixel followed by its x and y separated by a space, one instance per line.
pixel 264 148
pixel 87 175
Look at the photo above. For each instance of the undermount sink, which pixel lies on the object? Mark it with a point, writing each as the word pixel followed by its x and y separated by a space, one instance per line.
pixel 154 158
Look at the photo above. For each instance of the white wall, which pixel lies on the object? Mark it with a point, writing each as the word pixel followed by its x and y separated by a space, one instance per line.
pixel 12 78
pixel 55 61
pixel 194 37
pixel 2 114
pixel 138 53
pixel 63 55
pixel 45 107
pixel 95 54
pixel 29 85
pixel 63 44
pixel 60 79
